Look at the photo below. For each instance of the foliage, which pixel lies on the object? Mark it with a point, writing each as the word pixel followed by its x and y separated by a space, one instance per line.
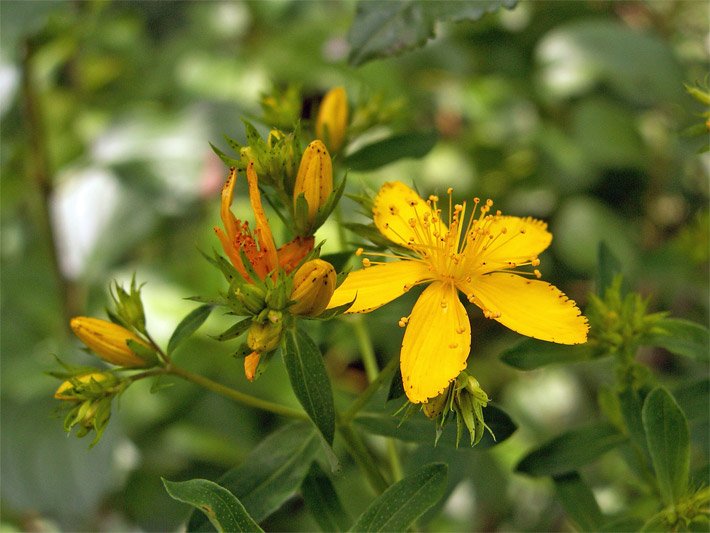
pixel 591 116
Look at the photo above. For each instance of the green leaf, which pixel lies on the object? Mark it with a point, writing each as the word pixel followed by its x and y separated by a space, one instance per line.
pixel 668 443
pixel 591 52
pixel 681 337
pixel 529 354
pixel 381 153
pixel 609 266
pixel 383 29
pixel 421 430
pixel 188 325
pixel 271 473
pixel 569 451
pixel 578 500
pixel 693 399
pixel 225 512
pixel 319 494
pixel 405 501
pixel 309 379
pixel 235 330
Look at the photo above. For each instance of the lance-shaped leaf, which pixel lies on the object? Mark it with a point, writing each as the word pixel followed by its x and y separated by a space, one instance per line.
pixel 529 354
pixel 578 500
pixel 320 497
pixel 681 337
pixel 309 379
pixel 569 451
pixel 405 501
pixel 668 443
pixel 422 430
pixel 221 507
pixel 383 29
pixel 188 325
pixel 271 473
pixel 381 153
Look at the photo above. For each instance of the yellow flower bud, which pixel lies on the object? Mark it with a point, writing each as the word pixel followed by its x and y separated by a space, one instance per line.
pixel 332 120
pixel 434 407
pixel 251 362
pixel 264 337
pixel 314 179
pixel 66 391
pixel 313 286
pixel 109 341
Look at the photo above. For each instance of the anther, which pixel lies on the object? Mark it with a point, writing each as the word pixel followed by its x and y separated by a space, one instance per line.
pixel 537 273
pixel 535 262
pixel 358 252
pixel 366 262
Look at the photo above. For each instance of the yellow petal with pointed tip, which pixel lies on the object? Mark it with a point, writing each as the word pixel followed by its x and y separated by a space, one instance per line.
pixel 401 216
pixel 530 307
pixel 436 344
pixel 379 284
pixel 513 239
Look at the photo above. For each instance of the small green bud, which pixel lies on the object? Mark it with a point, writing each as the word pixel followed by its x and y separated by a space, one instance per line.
pixel 264 337
pixel 251 297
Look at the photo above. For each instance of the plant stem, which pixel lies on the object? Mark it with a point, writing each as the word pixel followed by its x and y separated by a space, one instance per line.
pixel 366 351
pixel 39 172
pixel 362 456
pixel 235 395
pixel 371 389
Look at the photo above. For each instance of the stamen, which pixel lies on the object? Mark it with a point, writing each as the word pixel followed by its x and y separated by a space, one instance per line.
pixel 366 262
pixel 403 321
pixel 358 252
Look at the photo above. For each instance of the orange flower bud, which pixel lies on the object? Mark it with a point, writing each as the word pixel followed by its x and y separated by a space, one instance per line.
pixel 314 179
pixel 251 362
pixel 332 120
pixel 313 286
pixel 109 341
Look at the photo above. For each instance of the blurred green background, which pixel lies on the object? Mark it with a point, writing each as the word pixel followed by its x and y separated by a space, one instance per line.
pixel 574 112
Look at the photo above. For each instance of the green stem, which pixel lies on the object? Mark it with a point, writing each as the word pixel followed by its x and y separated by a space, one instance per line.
pixel 235 395
pixel 395 463
pixel 40 173
pixel 364 459
pixel 371 389
pixel 366 351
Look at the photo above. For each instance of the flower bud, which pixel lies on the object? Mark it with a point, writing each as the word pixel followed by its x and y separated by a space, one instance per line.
pixel 70 389
pixel 332 120
pixel 109 341
pixel 314 181
pixel 435 406
pixel 264 337
pixel 313 286
pixel 251 363
pixel 251 297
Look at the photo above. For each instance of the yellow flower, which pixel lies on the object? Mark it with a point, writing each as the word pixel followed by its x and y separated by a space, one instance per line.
pixel 258 246
pixel 481 259
pixel 332 120
pixel 313 286
pixel 108 340
pixel 314 180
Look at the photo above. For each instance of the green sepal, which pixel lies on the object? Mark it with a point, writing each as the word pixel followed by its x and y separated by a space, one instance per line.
pixel 234 330
pixel 148 355
pixel 227 160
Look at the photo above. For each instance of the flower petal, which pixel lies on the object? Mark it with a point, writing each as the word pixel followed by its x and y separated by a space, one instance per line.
pixel 436 344
pixel 399 214
pixel 504 240
pixel 263 230
pixel 292 253
pixel 530 307
pixel 377 285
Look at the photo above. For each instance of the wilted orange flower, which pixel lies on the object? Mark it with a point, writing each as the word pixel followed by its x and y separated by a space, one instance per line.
pixel 257 245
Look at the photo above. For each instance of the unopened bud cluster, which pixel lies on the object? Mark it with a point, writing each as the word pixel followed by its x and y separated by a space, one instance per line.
pixel 465 399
